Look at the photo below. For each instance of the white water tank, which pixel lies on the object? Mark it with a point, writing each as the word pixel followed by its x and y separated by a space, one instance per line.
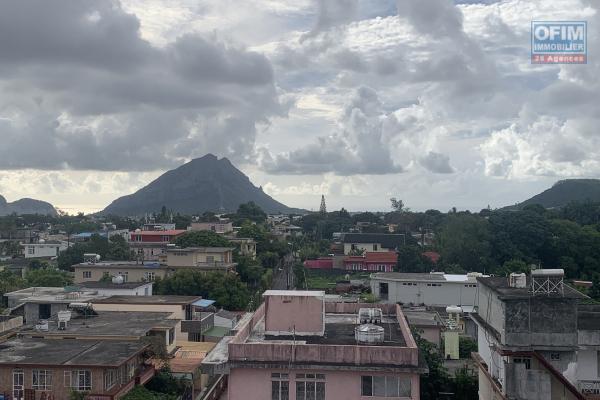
pixel 369 334
pixel 42 325
pixel 118 279
pixel 454 310
pixel 517 280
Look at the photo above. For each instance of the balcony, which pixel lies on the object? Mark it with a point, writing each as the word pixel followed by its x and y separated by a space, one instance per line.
pixel 198 325
pixel 589 388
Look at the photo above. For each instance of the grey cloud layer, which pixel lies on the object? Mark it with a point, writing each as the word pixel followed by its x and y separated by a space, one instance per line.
pixel 80 89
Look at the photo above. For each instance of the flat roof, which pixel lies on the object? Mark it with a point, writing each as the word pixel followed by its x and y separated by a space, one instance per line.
pixel 434 277
pixel 109 323
pixel 112 285
pixel 120 264
pixel 501 286
pixel 68 352
pixel 299 293
pixel 160 299
pixel 339 330
pixel 51 295
pixel 200 249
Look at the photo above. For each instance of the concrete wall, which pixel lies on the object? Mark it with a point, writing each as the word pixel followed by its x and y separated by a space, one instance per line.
pixel 449 293
pixel 364 246
pixel 144 290
pixel 133 274
pixel 255 384
pixel 8 323
pixel 43 250
pixel 300 315
pixel 32 311
pixel 541 321
pixel 191 258
pixel 490 309
pixel 587 365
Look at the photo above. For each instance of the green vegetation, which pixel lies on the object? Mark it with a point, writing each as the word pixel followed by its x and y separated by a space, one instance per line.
pixel 202 239
pixel 114 249
pixel 47 276
pixel 226 289
pixel 466 346
pixel 326 279
pixel 142 393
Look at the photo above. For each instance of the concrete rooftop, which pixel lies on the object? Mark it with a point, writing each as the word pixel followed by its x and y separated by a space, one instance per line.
pixel 68 352
pixel 181 300
pixel 501 286
pixel 109 323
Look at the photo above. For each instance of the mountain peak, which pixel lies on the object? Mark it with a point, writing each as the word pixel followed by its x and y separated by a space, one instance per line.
pixel 203 184
pixel 26 206
pixel 566 191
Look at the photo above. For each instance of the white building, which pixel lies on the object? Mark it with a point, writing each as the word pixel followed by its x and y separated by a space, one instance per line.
pixel 117 288
pixel 44 249
pixel 433 289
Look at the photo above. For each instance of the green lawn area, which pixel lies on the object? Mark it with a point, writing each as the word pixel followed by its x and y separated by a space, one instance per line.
pixel 326 279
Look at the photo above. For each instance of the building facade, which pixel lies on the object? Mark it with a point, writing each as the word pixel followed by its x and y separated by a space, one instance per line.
pixel 296 346
pixel 44 249
pixel 205 259
pixel 534 341
pixel 149 245
pixel 371 242
pixel 53 369
pixel 220 227
pixel 384 261
pixel 131 271
pixel 433 289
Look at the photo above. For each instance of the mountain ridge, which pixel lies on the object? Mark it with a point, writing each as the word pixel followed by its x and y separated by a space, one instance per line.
pixel 26 206
pixel 564 192
pixel 203 184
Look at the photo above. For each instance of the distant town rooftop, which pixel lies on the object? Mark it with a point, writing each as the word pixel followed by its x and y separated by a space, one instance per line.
pixel 112 285
pixel 386 240
pixel 501 286
pixel 51 295
pixel 168 232
pixel 298 293
pixel 119 264
pixel 432 276
pixel 200 249
pixel 165 299
pixel 52 352
pixel 109 324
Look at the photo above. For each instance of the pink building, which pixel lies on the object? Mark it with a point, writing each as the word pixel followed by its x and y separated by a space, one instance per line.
pixel 296 346
pixel 372 261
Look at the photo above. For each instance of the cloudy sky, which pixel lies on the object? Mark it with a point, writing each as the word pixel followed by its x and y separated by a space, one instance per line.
pixel 434 102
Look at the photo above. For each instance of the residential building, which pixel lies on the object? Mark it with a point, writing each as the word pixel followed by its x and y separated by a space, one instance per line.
pixel 246 246
pixel 319 263
pixel 38 303
pixel 535 341
pixel 220 227
pixel 297 346
pixel 131 271
pixel 204 259
pixel 44 249
pixel 184 308
pixel 44 369
pixel 286 231
pixel 86 236
pixel 382 261
pixel 83 321
pixel 149 245
pixel 158 226
pixel 117 287
pixel 427 323
pixel 433 289
pixel 372 242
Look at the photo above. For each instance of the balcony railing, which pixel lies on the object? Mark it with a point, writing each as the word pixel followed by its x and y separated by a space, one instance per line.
pixel 589 387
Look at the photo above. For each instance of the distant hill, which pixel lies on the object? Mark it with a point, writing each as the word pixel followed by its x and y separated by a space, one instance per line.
pixel 203 184
pixel 566 191
pixel 26 206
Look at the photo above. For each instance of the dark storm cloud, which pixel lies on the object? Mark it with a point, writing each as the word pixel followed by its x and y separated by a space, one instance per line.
pixel 80 89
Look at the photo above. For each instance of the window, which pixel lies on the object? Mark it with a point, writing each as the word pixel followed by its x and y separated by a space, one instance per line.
pixel 111 377
pixel 280 386
pixel 124 275
pixel 210 259
pixel 149 276
pixel 523 360
pixel 41 379
pixel 30 250
pixel 310 387
pixel 18 384
pixel 374 247
pixel 555 356
pixel 79 380
pixel 383 291
pixel 87 274
pixel 171 335
pixel 470 285
pixel 434 284
pixel 385 386
pixel 166 238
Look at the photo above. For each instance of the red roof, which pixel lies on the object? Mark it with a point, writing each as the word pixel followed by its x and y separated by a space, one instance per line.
pixel 375 256
pixel 171 232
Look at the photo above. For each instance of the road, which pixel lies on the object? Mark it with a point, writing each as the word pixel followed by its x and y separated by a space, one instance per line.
pixel 284 274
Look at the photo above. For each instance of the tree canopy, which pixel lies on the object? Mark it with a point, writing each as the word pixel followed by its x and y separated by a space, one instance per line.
pixel 202 239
